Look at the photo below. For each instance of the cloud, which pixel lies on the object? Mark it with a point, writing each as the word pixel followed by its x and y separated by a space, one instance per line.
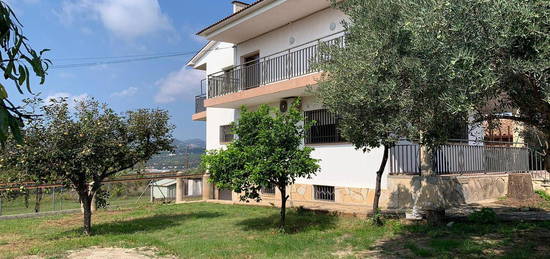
pixel 181 83
pixel 127 19
pixel 71 99
pixel 130 91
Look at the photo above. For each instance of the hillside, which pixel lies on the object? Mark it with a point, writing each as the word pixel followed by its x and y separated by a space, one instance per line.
pixel 177 159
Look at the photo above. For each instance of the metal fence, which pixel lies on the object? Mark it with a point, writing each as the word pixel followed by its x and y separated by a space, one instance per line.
pixel 119 195
pixel 283 65
pixel 464 157
pixel 405 159
pixel 199 99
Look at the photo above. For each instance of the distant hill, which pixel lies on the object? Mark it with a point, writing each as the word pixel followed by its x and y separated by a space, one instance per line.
pixel 176 160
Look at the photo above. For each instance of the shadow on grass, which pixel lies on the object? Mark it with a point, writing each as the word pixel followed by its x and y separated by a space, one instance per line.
pixel 152 223
pixel 296 221
pixel 467 239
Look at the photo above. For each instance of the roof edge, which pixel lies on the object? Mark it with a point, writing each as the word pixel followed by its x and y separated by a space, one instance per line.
pixel 232 16
pixel 205 49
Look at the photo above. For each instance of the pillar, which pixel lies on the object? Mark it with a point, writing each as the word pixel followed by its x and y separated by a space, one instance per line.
pixel 180 188
pixel 207 189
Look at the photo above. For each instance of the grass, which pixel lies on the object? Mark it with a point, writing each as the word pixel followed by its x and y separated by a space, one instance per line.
pixel 236 231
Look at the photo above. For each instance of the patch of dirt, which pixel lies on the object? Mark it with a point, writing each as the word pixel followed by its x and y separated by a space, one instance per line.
pixel 534 202
pixel 116 253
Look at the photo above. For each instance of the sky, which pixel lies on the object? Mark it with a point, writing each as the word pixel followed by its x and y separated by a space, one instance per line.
pixel 92 31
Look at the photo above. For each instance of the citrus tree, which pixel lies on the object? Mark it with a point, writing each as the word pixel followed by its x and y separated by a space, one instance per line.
pixel 268 151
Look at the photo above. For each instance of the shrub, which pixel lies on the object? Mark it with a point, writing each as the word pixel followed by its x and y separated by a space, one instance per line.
pixel 483 216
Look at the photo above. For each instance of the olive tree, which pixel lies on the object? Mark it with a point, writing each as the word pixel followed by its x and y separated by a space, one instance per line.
pixel 365 83
pixel 489 59
pixel 268 151
pixel 16 56
pixel 83 145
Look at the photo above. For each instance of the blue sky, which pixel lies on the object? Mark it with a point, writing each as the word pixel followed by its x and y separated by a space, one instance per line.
pixel 76 29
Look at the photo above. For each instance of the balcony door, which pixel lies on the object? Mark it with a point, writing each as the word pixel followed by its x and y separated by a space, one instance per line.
pixel 251 69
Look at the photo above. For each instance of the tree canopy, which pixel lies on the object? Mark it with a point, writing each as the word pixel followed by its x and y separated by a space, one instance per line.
pixel 268 152
pixel 83 145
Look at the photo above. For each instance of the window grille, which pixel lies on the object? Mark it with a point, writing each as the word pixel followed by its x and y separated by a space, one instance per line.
pixel 325 193
pixel 270 189
pixel 226 134
pixel 324 129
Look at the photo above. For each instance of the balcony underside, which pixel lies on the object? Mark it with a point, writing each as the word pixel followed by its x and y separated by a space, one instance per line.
pixel 265 93
pixel 201 116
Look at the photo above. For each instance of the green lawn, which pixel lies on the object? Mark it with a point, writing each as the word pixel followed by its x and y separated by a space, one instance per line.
pixel 213 230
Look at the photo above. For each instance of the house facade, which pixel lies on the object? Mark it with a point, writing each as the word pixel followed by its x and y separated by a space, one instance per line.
pixel 263 54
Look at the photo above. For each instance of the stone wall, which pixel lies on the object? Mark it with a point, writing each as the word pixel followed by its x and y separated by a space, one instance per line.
pixel 403 193
pixel 444 191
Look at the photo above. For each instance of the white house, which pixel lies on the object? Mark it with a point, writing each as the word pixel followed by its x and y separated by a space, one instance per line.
pixel 262 54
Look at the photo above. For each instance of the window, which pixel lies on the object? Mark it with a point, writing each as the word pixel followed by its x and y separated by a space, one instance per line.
pixel 226 134
pixel 324 193
pixel 270 189
pixel 325 128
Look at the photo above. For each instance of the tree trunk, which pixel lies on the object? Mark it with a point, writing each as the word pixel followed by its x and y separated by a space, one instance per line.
pixel 26 198
pixel 38 200
pixel 86 201
pixel 284 197
pixel 378 184
pixel 547 160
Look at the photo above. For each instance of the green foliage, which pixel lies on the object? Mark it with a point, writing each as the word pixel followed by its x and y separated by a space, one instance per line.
pixel 16 56
pixel 82 146
pixel 544 195
pixel 102 199
pixel 268 151
pixel 483 216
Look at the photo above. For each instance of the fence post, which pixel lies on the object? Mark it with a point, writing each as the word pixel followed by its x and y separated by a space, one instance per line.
pixel 53 199
pixel 61 199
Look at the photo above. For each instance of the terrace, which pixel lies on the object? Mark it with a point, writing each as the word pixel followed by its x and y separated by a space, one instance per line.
pixel 269 78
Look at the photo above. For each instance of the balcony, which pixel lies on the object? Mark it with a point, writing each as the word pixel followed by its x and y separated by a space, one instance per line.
pixel 200 109
pixel 291 64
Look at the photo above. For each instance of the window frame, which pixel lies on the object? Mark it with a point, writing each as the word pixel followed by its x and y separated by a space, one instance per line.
pixel 225 131
pixel 267 190
pixel 319 197
pixel 326 119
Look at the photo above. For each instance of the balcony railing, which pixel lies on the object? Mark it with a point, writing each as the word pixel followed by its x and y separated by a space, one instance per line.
pixel 462 158
pixel 199 99
pixel 283 65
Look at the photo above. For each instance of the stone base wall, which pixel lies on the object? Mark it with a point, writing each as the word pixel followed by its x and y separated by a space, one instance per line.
pixel 444 191
pixel 403 192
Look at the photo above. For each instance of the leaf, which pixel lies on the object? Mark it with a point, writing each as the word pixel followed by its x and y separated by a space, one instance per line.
pixel 22 75
pixel 15 127
pixel 3 93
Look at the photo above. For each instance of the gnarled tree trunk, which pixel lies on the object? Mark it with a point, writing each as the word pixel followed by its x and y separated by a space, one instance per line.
pixel 86 201
pixel 378 188
pixel 38 200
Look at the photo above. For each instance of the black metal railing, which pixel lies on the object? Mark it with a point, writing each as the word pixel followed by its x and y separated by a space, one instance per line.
pixel 463 157
pixel 283 65
pixel 199 99
pixel 405 159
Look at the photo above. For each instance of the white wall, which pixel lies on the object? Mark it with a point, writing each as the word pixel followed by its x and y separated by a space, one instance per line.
pixel 219 57
pixel 307 29
pixel 341 165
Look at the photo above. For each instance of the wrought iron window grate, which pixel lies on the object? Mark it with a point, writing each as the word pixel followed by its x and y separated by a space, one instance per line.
pixel 325 193
pixel 270 189
pixel 324 128
pixel 226 133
